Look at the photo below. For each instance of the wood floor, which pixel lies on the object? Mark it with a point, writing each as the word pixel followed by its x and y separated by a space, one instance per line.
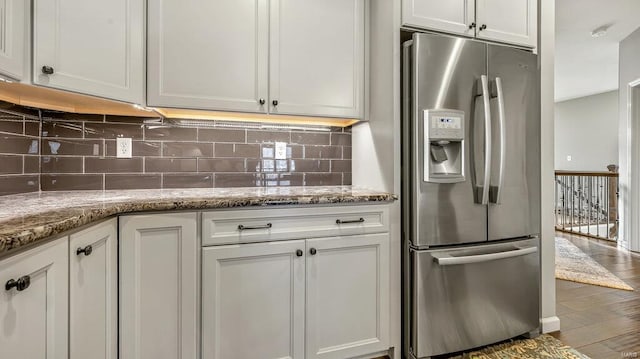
pixel 600 322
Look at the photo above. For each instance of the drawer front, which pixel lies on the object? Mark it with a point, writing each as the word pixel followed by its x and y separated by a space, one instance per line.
pixel 262 225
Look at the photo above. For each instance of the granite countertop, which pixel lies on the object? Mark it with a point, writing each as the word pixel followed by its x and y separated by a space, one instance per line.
pixel 27 218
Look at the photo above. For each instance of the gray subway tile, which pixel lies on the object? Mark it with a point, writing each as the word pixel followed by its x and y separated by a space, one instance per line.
pixel 71 147
pixel 14 127
pixel 32 128
pixel 56 182
pixel 62 129
pixel 310 166
pixel 187 180
pixel 14 144
pixel 170 165
pixel 323 179
pixel 238 180
pixel 112 165
pixel 74 117
pixel 55 164
pixel 187 149
pixel 31 164
pixel 340 165
pixel 340 139
pixel 258 136
pixel 346 152
pixel 346 179
pixel 221 165
pixel 323 152
pixel 19 184
pixel 237 150
pixel 132 181
pixel 311 138
pixel 10 165
pixel 170 133
pixel 112 130
pixel 221 135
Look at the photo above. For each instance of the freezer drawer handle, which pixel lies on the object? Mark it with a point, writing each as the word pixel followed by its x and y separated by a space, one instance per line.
pixel 243 227
pixel 444 259
pixel 339 221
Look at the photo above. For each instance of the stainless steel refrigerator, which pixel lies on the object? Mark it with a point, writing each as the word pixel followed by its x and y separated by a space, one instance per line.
pixel 471 194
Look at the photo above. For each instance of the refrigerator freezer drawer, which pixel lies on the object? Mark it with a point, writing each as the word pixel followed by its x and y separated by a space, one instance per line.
pixel 472 296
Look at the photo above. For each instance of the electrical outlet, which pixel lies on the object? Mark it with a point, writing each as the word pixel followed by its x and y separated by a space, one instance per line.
pixel 281 151
pixel 123 147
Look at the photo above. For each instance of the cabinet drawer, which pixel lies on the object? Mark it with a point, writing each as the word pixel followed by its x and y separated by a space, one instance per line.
pixel 261 225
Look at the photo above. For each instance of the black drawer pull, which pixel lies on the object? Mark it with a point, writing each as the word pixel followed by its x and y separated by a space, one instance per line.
pixel 299 253
pixel 339 221
pixel 266 226
pixel 86 250
pixel 21 284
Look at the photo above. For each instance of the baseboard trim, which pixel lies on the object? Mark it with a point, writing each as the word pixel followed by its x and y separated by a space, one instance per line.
pixel 550 324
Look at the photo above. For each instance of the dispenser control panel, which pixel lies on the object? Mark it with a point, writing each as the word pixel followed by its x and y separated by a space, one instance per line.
pixel 444 124
pixel 444 146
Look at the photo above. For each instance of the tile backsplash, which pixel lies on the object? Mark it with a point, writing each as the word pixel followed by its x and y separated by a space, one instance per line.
pixel 19 151
pixel 65 151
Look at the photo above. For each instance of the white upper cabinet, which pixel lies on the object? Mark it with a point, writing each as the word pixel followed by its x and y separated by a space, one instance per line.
pixel 510 21
pixel 13 27
pixel 33 303
pixel 317 57
pixel 159 276
pixel 296 57
pixel 455 16
pixel 90 46
pixel 208 54
pixel 93 292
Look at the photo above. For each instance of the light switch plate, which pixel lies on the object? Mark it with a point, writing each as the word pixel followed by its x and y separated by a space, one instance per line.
pixel 123 147
pixel 281 151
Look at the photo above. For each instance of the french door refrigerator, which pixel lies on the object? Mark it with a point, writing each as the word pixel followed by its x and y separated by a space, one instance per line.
pixel 471 194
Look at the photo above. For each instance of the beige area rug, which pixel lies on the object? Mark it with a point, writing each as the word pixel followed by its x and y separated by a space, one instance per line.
pixel 542 347
pixel 574 265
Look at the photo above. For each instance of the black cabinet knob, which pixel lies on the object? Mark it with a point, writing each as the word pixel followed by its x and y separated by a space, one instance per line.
pixel 313 251
pixel 47 70
pixel 473 24
pixel 299 253
pixel 262 101
pixel 275 102
pixel 86 250
pixel 483 27
pixel 21 284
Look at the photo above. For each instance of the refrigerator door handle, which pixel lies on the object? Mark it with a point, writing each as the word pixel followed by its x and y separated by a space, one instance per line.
pixel 503 139
pixel 445 259
pixel 486 97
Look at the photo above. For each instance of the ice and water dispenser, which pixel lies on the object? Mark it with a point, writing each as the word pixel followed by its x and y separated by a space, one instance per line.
pixel 444 159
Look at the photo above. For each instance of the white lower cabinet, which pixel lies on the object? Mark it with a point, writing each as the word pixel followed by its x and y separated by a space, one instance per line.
pixel 93 292
pixel 159 272
pixel 33 303
pixel 314 298
pixel 347 296
pixel 253 301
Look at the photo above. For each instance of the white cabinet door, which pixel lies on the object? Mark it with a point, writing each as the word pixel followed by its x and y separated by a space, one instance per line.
pixel 34 320
pixel 12 38
pixel 208 54
pixel 454 16
pixel 510 21
pixel 93 47
pixel 317 57
pixel 253 301
pixel 93 292
pixel 159 261
pixel 347 296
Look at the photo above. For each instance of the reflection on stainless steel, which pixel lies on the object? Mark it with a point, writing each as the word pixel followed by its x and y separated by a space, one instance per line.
pixel 471 263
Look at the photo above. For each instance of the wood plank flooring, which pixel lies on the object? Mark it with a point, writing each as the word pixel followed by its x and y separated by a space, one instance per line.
pixel 603 323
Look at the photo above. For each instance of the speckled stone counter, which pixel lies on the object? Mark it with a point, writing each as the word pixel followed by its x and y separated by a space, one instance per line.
pixel 28 218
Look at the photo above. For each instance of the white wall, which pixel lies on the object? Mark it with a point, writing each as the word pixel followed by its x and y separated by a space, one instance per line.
pixel 628 137
pixel 587 130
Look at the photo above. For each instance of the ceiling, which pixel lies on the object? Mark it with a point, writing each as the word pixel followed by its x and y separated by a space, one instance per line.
pixel 585 65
